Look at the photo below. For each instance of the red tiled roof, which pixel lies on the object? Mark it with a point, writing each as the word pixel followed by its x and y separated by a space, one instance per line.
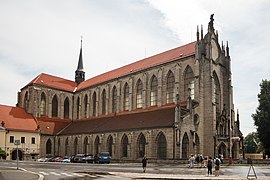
pixel 54 82
pixel 15 118
pixel 162 117
pixel 51 126
pixel 168 56
pixel 71 86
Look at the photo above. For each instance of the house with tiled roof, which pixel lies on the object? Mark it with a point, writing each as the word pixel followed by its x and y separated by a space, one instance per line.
pixel 166 106
pixel 17 125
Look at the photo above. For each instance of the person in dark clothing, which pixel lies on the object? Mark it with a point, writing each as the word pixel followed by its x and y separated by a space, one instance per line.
pixel 209 165
pixel 144 163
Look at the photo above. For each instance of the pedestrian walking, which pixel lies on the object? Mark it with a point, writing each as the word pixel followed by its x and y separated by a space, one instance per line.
pixel 191 161
pixel 209 166
pixel 144 163
pixel 217 166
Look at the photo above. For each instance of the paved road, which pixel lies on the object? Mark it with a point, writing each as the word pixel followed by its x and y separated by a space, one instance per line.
pixel 57 171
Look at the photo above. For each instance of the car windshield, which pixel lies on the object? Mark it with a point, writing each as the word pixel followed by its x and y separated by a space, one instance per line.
pixel 104 154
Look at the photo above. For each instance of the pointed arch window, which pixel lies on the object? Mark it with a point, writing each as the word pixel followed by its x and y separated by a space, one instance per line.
pixel 94 104
pixel 153 91
pixel 76 146
pixel 26 100
pixel 189 83
pixel 139 89
pixel 66 146
pixel 97 143
pixel 103 106
pixel 58 146
pixel 185 145
pixel 126 97
pixel 43 104
pixel 170 88
pixel 54 106
pixel 142 143
pixel 49 146
pixel 85 145
pixel 85 106
pixel 161 146
pixel 216 91
pixel 66 108
pixel 110 144
pixel 125 146
pixel 78 108
pixel 114 99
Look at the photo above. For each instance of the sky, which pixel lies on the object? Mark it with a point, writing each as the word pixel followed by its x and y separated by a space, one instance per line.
pixel 44 37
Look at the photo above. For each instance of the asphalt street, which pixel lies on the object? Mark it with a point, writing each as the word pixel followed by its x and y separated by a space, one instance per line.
pixel 59 171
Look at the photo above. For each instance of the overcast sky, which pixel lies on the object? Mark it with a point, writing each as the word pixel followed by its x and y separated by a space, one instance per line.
pixel 44 36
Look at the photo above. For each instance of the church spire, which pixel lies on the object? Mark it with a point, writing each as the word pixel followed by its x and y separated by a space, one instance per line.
pixel 79 73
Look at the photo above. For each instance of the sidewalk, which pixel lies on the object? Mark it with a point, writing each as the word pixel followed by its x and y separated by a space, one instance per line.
pixel 14 174
pixel 177 176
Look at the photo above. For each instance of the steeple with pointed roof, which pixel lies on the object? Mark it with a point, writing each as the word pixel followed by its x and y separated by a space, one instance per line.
pixel 79 73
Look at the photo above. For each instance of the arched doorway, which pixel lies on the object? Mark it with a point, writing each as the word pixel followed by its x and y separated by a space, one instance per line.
pixel 185 145
pixel 110 144
pixel 222 150
pixel 14 155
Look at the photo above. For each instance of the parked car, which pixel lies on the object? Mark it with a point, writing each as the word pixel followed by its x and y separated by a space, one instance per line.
pixel 79 158
pixel 66 159
pixel 42 159
pixel 103 157
pixel 89 158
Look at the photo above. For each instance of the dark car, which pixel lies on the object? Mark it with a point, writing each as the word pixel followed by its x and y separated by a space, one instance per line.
pixel 103 157
pixel 79 158
pixel 89 158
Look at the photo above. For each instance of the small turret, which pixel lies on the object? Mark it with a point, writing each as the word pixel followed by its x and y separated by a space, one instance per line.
pixel 79 73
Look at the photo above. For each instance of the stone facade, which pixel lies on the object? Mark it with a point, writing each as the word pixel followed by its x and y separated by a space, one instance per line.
pixel 202 79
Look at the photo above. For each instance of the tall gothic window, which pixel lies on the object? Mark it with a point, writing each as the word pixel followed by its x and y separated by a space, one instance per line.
pixel 153 91
pixel 161 146
pixel 43 104
pixel 139 89
pixel 110 144
pixel 126 97
pixel 216 91
pixel 76 146
pixel 66 146
pixel 125 146
pixel 94 101
pixel 66 108
pixel 189 83
pixel 58 146
pixel 97 143
pixel 103 106
pixel 170 88
pixel 85 106
pixel 114 99
pixel 78 108
pixel 26 100
pixel 49 146
pixel 142 143
pixel 54 106
pixel 85 144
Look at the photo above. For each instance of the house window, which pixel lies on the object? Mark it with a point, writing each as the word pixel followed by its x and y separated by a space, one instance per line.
pixel 11 139
pixel 33 140
pixel 23 140
pixel 126 97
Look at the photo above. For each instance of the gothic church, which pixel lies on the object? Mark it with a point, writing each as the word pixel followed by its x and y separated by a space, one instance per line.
pixel 167 106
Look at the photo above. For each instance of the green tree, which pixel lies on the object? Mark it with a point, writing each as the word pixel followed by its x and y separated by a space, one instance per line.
pixel 252 143
pixel 262 116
